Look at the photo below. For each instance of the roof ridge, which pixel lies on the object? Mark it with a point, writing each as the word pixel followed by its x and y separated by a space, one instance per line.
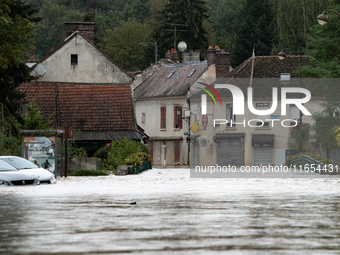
pixel 68 39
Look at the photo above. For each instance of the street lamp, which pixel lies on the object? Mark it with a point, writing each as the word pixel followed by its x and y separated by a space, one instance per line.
pixel 323 19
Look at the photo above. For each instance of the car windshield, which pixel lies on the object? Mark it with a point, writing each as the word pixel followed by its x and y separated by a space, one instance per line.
pixel 6 167
pixel 20 163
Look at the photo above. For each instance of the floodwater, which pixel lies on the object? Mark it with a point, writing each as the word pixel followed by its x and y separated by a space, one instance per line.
pixel 173 214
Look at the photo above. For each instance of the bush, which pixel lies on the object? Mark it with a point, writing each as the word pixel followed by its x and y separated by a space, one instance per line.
pixel 138 158
pixel 119 150
pixel 312 155
pixel 102 153
pixel 84 172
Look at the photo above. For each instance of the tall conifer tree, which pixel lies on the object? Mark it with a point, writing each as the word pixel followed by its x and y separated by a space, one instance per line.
pixel 190 14
pixel 257 27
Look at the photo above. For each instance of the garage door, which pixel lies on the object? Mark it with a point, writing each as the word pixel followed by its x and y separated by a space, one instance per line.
pixel 263 155
pixel 230 152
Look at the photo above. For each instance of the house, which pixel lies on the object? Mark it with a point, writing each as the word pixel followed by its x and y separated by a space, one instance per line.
pixel 163 103
pixel 250 138
pixel 84 89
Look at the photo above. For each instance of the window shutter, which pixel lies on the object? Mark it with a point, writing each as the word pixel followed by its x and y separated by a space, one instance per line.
pixel 175 116
pixel 179 108
pixel 163 117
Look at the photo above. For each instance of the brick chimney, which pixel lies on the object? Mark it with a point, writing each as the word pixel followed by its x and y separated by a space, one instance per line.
pixel 191 56
pixel 85 28
pixel 173 55
pixel 168 55
pixel 220 58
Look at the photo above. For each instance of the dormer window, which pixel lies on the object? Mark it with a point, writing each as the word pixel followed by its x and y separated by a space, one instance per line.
pixel 74 59
pixel 191 73
pixel 170 74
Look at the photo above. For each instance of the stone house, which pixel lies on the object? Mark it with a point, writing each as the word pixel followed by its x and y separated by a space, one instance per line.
pixel 84 89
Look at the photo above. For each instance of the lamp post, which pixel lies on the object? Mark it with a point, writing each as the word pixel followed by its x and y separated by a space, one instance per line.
pixel 323 19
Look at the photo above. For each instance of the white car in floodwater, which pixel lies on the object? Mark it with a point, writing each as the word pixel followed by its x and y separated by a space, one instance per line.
pixel 28 167
pixel 10 176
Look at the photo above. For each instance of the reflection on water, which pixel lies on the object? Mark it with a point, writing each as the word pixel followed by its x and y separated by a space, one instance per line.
pixel 98 219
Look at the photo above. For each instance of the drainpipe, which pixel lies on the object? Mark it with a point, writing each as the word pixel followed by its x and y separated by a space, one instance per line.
pixel 164 160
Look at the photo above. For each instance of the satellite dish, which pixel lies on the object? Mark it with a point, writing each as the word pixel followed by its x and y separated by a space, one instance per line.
pixel 182 46
pixel 41 69
pixel 195 109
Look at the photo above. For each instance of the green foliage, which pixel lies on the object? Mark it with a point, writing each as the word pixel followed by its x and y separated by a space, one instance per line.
pixel 300 134
pixel 294 18
pixel 15 34
pixel 124 45
pixel 84 172
pixel 118 151
pixel 138 158
pixel 33 120
pixel 312 155
pixel 324 133
pixel 336 131
pixel 256 27
pixel 9 142
pixel 191 13
pixel 73 151
pixel 323 47
pixel 50 32
pixel 102 153
pixel 225 18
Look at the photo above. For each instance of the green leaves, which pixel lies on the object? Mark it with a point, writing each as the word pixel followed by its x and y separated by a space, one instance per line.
pixel 125 45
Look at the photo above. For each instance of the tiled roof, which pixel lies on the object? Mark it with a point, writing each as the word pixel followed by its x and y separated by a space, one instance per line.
pixel 268 67
pixel 178 84
pixel 266 75
pixel 99 107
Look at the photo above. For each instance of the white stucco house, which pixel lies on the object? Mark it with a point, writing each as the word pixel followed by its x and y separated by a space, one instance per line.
pixel 163 104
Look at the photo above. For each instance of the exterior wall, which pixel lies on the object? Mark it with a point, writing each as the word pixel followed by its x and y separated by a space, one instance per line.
pixel 207 156
pixel 92 67
pixel 151 124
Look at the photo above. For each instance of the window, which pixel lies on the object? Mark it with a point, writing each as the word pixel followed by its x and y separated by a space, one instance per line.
pixel 177 152
pixel 263 117
pixel 163 117
pixel 178 117
pixel 143 118
pixel 230 116
pixel 294 114
pixel 74 59
pixel 172 72
pixel 191 73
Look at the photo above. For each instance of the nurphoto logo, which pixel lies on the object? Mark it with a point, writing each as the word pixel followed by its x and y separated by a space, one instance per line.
pixel 238 104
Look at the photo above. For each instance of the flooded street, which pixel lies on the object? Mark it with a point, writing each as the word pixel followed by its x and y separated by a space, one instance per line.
pixel 173 214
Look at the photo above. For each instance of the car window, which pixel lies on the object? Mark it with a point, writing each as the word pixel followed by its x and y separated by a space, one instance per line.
pixel 20 163
pixel 6 167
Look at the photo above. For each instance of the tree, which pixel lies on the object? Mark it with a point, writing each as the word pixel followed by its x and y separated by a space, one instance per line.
pixel 51 31
pixel 323 47
pixel 293 25
pixel 324 132
pixel 16 32
pixel 9 143
pixel 256 28
pixel 224 15
pixel 33 120
pixel 190 14
pixel 124 45
pixel 300 134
